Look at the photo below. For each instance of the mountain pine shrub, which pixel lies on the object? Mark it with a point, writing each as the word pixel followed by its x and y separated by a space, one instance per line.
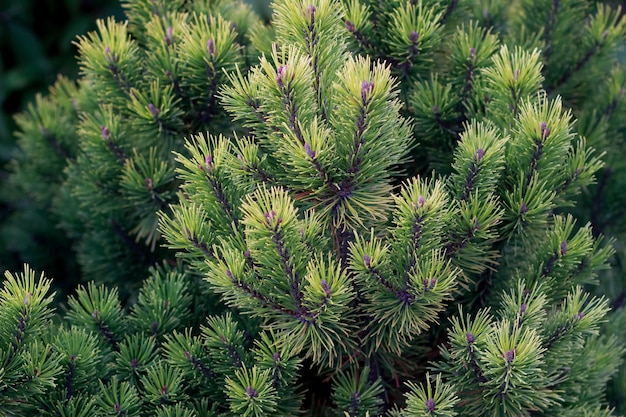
pixel 358 208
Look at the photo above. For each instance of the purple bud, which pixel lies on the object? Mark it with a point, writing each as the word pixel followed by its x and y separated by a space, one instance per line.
pixel 509 356
pixel 269 217
pixel 169 39
pixel 579 316
pixel 281 71
pixel 522 308
pixel 430 405
pixel 435 109
pixel 187 355
pixel 168 74
pixel 523 209
pixel 563 247
pixel 367 260
pixel 155 112
pixel 414 37
pixel 95 314
pixel 366 89
pixel 134 363
pixel 310 153
pixel 516 74
pixel 469 336
pixel 311 12
pixel 164 390
pixel 26 300
pixel 251 392
pixel 350 26
pixel 210 46
pixel 229 274
pixel 276 356
pixel 472 52
pixel 73 358
pixel 117 408
pixel 480 153
pixel 247 254
pixel 325 287
pixel 106 135
pixel 545 131
pixel 420 201
pixel 432 283
pixel 208 163
pixel 148 183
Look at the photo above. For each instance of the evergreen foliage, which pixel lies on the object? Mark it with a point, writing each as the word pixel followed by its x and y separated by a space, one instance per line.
pixel 363 208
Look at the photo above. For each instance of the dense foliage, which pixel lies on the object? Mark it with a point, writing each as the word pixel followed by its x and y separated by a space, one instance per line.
pixel 359 208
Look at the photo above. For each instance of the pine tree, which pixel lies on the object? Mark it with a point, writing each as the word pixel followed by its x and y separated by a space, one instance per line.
pixel 366 208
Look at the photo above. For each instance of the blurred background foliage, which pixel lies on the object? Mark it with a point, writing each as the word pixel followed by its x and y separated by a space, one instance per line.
pixel 36 44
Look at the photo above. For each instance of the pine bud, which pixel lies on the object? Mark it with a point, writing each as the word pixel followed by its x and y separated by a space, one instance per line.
pixel 430 405
pixel 420 201
pixel 153 110
pixel 310 153
pixel 545 131
pixel 106 135
pixel 169 38
pixel 563 247
pixel 251 392
pixel 509 356
pixel 414 37
pixel 480 153
pixel 325 287
pixel 524 209
pixel 281 71
pixel 311 12
pixel 367 260
pixel 210 46
pixel 111 58
pixel 350 26
pixel 469 336
pixel 366 89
